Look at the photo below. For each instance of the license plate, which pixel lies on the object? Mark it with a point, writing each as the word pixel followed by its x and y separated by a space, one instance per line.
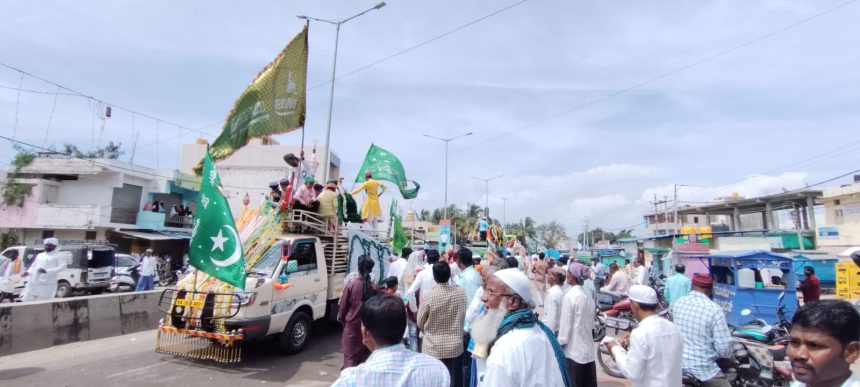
pixel 193 304
pixel 618 323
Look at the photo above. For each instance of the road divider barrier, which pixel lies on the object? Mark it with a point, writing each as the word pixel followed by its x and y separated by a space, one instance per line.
pixel 42 324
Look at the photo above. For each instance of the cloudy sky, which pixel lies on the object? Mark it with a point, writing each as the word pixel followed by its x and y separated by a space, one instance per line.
pixel 588 108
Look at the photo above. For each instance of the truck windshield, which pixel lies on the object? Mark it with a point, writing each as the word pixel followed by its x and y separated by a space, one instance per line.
pixel 268 262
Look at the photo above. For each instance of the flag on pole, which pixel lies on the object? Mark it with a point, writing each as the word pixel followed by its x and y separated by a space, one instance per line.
pixel 399 240
pixel 273 103
pixel 385 166
pixel 215 245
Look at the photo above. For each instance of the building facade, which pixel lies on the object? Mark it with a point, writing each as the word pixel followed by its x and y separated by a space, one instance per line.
pixel 74 199
pixel 842 216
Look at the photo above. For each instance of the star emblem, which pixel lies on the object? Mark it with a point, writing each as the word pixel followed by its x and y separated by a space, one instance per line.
pixel 218 241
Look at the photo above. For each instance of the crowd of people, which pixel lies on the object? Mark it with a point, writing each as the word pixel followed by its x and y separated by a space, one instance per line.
pixel 453 320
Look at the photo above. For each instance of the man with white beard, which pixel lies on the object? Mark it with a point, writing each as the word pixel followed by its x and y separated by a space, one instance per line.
pixel 520 350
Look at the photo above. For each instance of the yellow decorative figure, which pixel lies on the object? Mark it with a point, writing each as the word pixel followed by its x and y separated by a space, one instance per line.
pixel 371 210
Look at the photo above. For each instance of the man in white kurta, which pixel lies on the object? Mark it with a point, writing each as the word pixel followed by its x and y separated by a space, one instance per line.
pixel 552 305
pixel 577 323
pixel 521 357
pixel 654 355
pixel 42 274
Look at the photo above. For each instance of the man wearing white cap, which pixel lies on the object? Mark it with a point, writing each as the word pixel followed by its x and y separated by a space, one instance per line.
pixel 42 274
pixel 654 355
pixel 577 322
pixel 520 350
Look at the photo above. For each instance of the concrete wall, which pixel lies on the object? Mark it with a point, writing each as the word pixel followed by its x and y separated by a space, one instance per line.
pixel 30 326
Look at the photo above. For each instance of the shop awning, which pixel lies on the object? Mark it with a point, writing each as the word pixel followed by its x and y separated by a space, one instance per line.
pixel 148 235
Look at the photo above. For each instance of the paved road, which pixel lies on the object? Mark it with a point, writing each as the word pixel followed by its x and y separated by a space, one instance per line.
pixel 130 361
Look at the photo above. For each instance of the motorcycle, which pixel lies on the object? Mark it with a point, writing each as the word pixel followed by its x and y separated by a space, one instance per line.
pixel 760 331
pixel 727 365
pixel 619 317
pixel 760 350
pixel 125 280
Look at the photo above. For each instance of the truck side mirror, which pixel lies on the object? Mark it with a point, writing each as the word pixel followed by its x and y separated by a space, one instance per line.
pixel 291 267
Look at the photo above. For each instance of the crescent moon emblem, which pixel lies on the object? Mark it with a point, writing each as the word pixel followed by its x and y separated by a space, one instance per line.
pixel 237 253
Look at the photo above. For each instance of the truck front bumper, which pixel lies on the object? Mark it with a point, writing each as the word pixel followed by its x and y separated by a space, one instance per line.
pixel 253 328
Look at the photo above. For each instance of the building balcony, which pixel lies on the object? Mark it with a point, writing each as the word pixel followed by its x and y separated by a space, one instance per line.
pixel 159 221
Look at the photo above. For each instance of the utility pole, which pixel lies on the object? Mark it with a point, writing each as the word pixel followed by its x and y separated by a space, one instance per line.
pixel 657 214
pixel 487 193
pixel 446 141
pixel 666 211
pixel 677 224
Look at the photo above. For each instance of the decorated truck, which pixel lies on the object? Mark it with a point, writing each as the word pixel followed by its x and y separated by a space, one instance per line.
pixel 296 268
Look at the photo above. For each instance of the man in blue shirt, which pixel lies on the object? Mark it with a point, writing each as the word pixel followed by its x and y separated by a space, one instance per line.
pixel 677 286
pixel 383 320
pixel 482 229
pixel 599 270
pixel 703 328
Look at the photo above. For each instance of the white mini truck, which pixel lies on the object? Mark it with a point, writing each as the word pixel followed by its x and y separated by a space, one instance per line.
pixel 299 279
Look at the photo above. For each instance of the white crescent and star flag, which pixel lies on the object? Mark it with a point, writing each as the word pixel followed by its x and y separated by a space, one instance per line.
pixel 215 245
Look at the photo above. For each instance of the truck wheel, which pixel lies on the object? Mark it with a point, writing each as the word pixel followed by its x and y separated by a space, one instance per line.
pixel 295 337
pixel 64 289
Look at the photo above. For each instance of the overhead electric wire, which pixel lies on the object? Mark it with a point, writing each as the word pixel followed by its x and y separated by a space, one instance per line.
pixel 428 41
pixel 654 79
pixel 120 107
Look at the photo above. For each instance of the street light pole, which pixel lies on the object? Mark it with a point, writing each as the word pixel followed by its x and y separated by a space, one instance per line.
pixel 336 23
pixel 505 212
pixel 487 193
pixel 446 141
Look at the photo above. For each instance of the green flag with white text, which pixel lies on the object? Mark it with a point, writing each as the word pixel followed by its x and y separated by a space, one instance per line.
pixel 273 103
pixel 215 245
pixel 385 166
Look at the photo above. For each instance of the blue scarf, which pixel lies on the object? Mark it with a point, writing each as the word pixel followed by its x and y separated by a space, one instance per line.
pixel 524 318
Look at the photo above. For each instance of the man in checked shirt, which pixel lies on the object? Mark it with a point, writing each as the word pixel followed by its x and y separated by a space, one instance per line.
pixel 702 324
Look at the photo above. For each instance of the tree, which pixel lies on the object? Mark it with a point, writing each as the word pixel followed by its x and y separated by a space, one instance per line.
pixel 551 234
pixel 598 233
pixel 424 215
pixel 110 151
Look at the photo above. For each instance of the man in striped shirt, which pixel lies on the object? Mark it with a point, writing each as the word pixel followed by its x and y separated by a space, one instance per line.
pixel 383 319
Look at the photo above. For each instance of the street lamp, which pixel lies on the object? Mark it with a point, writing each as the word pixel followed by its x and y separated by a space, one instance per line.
pixel 446 141
pixel 487 193
pixel 505 212
pixel 336 23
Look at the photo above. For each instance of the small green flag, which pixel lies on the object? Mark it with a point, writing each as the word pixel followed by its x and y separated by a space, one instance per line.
pixel 215 246
pixel 399 240
pixel 273 103
pixel 385 166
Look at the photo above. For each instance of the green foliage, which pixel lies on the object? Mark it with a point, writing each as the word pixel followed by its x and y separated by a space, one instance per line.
pixel 551 234
pixel 8 238
pixel 599 234
pixel 14 192
pixel 110 151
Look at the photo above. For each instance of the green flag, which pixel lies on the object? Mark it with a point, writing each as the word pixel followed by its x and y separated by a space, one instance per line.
pixel 399 240
pixel 273 103
pixel 215 246
pixel 385 166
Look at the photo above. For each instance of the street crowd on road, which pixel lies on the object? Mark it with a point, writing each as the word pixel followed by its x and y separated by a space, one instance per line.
pixel 481 327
